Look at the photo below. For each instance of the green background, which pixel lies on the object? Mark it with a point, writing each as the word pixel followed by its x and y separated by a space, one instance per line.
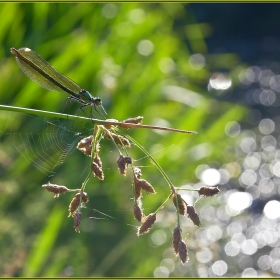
pixel 130 55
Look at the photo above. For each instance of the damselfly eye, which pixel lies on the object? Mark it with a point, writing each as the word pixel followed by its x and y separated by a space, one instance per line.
pixel 97 101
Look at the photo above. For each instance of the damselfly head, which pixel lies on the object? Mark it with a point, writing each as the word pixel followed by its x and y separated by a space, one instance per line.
pixel 97 101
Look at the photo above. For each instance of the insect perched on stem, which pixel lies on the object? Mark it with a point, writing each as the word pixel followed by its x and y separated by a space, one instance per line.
pixel 42 73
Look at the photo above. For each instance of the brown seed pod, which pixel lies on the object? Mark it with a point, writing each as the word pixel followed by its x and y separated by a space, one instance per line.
pixel 97 160
pixel 118 139
pixel 192 214
pixel 137 172
pixel 85 145
pixel 97 171
pixel 138 213
pixel 109 126
pixel 128 160
pixel 181 204
pixel 138 191
pixel 144 185
pixel 74 204
pixel 77 220
pixel 135 120
pixel 147 223
pixel 183 252
pixel 56 189
pixel 207 191
pixel 123 163
pixel 176 239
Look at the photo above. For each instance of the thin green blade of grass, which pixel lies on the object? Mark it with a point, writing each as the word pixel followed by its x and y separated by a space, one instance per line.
pixel 44 243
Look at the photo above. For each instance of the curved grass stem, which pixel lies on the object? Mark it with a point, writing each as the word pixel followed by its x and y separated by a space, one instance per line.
pixel 97 121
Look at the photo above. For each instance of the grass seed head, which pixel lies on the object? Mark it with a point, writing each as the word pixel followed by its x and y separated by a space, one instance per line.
pixel 147 223
pixel 85 145
pixel 74 204
pixel 144 185
pixel 138 213
pixel 176 239
pixel 97 171
pixel 138 191
pixel 207 191
pixel 183 252
pixel 97 160
pixel 108 125
pixel 56 189
pixel 77 220
pixel 127 160
pixel 137 172
pixel 123 163
pixel 193 215
pixel 181 204
pixel 120 140
pixel 135 120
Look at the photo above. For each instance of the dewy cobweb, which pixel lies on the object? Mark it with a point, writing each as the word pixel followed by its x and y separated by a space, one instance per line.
pixel 42 143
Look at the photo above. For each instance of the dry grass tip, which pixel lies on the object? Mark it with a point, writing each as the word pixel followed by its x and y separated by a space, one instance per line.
pixel 176 239
pixel 138 191
pixel 207 191
pixel 193 215
pixel 138 213
pixel 96 168
pixel 97 160
pixel 77 221
pixel 74 204
pixel 137 172
pixel 118 139
pixel 56 189
pixel 183 252
pixel 144 185
pixel 123 162
pixel 147 223
pixel 85 145
pixel 135 120
pixel 181 204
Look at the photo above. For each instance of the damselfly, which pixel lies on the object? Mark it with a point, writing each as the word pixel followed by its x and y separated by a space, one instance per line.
pixel 46 76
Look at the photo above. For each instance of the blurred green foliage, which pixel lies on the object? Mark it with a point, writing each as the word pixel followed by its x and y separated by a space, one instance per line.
pixel 134 57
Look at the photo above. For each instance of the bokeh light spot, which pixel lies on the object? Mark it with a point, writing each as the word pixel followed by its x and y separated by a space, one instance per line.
pixel 210 177
pixel 205 255
pixel 161 272
pixel 145 47
pixel 275 83
pixel 266 126
pixel 232 249
pixel 267 97
pixel 249 247
pixel 219 268
pixel 197 61
pixel 249 272
pixel 137 16
pixel 109 10
pixel 232 129
pixel 220 81
pixel 239 201
pixel 158 237
pixel 166 65
pixel 272 209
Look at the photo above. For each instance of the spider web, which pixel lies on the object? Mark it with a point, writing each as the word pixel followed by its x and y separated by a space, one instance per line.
pixel 43 143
